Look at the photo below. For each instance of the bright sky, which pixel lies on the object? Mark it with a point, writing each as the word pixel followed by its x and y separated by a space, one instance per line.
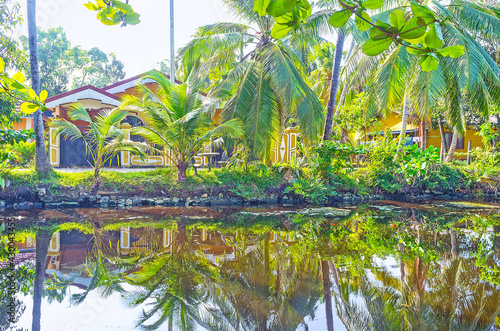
pixel 139 47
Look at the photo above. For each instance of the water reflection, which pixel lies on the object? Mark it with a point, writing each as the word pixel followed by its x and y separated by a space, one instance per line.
pixel 383 268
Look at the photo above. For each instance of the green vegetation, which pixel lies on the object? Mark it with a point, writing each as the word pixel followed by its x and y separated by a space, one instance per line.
pixel 178 125
pixel 104 138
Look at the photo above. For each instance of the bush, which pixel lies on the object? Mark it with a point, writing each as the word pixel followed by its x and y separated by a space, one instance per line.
pixel 25 152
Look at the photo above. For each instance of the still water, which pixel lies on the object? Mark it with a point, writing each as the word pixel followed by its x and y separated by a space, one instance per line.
pixel 386 266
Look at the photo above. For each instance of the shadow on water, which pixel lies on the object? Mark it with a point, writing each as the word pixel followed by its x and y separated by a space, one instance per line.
pixel 380 267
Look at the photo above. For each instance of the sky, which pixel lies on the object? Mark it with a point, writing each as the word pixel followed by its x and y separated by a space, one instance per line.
pixel 139 47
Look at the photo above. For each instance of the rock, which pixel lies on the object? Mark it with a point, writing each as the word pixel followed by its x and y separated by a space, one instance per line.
pixel 149 202
pixel 38 205
pixel 137 201
pixel 70 204
pixel 196 199
pixel 204 196
pixel 221 196
pixel 2 204
pixel 176 200
pixel 112 203
pixel 437 192
pixel 129 202
pixel 25 205
pixel 104 201
pixel 93 199
pixel 15 206
pixel 41 192
pixel 446 197
pixel 163 192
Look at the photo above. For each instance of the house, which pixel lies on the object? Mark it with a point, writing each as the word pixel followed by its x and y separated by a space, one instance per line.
pixel 432 135
pixel 67 153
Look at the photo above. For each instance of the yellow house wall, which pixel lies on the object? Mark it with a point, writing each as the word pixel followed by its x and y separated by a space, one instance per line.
pixel 434 139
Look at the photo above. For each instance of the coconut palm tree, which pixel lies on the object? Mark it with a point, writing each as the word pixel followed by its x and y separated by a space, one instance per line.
pixel 42 164
pixel 42 247
pixel 264 84
pixel 179 123
pixel 395 76
pixel 103 137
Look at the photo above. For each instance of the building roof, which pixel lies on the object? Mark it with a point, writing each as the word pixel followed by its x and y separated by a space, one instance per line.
pixel 122 86
pixel 84 92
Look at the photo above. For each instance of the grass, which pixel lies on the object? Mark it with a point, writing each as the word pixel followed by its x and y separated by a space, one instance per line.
pixel 150 182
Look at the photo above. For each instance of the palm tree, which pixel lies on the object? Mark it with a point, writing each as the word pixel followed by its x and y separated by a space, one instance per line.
pixel 42 247
pixel 103 137
pixel 395 76
pixel 266 87
pixel 42 164
pixel 179 123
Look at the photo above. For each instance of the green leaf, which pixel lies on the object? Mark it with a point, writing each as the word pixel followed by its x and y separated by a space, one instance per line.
pixel 305 12
pixel 43 95
pixel 2 65
pixel 276 8
pixel 132 19
pixel 376 34
pixel 280 30
pixel 428 63
pixel 413 29
pixel 91 6
pixel 452 51
pixel 434 38
pixel 340 18
pixel 421 10
pixel 124 7
pixel 373 4
pixel 28 108
pixel 375 47
pixel 32 94
pixel 397 19
pixel 260 6
pixel 19 77
pixel 362 24
pixel 289 5
pixel 416 51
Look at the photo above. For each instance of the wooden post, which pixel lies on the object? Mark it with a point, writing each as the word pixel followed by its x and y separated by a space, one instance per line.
pixel 468 152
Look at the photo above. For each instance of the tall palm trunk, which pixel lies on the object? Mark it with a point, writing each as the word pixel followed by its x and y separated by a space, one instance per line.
pixel 327 132
pixel 404 121
pixel 42 164
pixel 172 49
pixel 344 88
pixel 453 146
pixel 423 135
pixel 444 143
pixel 41 250
pixel 327 294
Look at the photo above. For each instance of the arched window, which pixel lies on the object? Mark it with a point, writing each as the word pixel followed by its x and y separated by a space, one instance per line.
pixel 134 121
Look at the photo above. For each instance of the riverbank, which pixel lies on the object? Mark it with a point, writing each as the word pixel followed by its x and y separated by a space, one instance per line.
pixel 26 190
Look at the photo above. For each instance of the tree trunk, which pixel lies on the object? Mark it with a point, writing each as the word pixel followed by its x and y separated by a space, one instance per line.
pixel 97 181
pixel 454 244
pixel 444 143
pixel 423 135
pixel 327 132
pixel 453 146
pixel 42 164
pixel 41 249
pixel 181 171
pixel 172 48
pixel 404 120
pixel 344 88
pixel 327 294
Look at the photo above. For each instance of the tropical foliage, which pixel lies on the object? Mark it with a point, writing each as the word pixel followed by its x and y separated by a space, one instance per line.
pixel 178 122
pixel 263 80
pixel 103 136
